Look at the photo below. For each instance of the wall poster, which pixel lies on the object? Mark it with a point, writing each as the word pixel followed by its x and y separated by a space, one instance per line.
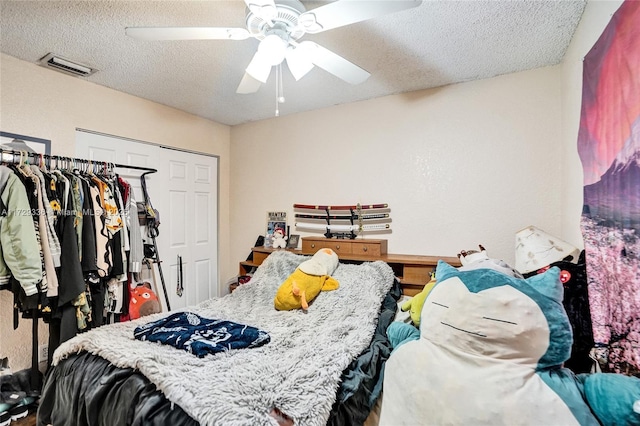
pixel 609 148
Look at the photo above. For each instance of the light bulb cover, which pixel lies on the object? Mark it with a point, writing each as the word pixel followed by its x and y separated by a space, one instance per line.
pixel 273 49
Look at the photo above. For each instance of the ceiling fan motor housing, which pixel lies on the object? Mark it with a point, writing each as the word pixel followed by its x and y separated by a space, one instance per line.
pixel 284 24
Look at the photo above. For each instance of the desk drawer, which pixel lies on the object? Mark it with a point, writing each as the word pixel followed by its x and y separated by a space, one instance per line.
pixel 417 274
pixel 363 248
pixel 339 246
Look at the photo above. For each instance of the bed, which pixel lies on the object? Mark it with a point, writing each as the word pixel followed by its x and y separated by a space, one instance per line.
pixel 320 367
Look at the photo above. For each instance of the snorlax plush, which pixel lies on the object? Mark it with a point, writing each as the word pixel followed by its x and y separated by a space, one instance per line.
pixel 490 352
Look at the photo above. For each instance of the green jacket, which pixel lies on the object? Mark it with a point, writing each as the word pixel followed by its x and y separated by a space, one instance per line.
pixel 19 249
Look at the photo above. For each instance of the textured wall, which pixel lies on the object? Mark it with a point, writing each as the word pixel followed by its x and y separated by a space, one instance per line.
pixel 39 102
pixel 458 165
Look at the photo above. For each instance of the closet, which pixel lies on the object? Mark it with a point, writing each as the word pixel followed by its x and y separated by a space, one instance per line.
pixel 73 242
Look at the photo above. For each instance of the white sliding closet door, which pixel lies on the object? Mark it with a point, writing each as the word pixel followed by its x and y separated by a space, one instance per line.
pixel 185 192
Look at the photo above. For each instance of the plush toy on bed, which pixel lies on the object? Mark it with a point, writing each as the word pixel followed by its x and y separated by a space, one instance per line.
pixel 490 352
pixel 414 305
pixel 307 281
pixel 471 259
pixel 476 259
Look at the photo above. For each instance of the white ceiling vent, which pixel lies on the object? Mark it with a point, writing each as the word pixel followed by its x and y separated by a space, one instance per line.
pixel 66 66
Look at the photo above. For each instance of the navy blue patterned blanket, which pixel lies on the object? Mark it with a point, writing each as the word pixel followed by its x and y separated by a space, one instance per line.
pixel 201 336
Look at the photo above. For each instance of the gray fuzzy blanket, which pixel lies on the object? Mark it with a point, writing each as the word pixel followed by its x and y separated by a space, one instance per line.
pixel 297 372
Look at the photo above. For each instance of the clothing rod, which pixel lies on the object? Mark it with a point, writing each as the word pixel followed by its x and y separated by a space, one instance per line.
pixel 36 155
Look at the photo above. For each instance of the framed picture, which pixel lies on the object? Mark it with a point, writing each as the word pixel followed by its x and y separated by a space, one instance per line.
pixel 15 142
pixel 292 243
pixel 276 221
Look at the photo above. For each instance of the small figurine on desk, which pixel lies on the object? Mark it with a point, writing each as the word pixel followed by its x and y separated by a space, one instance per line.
pixel 279 239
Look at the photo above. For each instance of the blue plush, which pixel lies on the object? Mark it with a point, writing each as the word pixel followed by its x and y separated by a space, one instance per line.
pixel 613 398
pixel 400 333
pixel 490 351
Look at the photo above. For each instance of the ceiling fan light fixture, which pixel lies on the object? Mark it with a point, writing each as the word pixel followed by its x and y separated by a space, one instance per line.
pixel 273 49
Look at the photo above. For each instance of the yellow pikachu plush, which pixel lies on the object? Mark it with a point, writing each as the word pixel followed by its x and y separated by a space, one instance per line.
pixel 307 281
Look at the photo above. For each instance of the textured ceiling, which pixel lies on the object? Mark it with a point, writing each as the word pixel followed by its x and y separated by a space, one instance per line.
pixel 435 44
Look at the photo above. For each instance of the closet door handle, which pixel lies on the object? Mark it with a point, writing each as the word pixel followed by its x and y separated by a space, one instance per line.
pixel 180 282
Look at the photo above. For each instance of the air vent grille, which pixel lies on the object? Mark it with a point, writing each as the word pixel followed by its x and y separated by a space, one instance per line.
pixel 66 66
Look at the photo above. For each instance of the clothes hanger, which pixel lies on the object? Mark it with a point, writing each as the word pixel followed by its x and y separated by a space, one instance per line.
pixel 20 167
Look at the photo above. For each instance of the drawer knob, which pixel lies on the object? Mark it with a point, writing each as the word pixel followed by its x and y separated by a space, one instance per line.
pixel 338 247
pixel 313 246
pixel 364 248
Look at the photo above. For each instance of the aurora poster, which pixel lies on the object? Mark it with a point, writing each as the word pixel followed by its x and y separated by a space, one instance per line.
pixel 609 147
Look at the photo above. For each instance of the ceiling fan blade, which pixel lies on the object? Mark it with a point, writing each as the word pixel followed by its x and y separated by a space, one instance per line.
pixel 248 85
pixel 298 62
pixel 265 9
pixel 333 63
pixel 187 33
pixel 345 12
pixel 259 68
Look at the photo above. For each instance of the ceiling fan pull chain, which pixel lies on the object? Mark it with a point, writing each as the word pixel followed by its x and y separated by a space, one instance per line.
pixel 281 86
pixel 277 103
pixel 279 89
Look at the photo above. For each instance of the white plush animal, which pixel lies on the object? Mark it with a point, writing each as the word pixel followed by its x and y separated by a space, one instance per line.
pixel 478 259
pixel 279 239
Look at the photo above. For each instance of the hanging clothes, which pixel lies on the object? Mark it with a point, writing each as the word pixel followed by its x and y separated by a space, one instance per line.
pixel 69 244
pixel 19 252
pixel 89 251
pixel 136 245
pixel 66 238
pixel 49 215
pixel 45 239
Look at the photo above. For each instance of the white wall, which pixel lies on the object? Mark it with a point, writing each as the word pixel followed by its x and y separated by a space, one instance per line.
pixel 459 166
pixel 594 20
pixel 38 102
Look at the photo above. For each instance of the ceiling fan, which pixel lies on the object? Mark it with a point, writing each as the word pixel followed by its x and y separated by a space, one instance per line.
pixel 279 24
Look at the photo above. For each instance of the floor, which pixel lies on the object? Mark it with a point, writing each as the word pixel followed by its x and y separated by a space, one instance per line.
pixel 30 420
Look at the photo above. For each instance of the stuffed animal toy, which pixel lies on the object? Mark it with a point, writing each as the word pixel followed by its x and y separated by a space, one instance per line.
pixel 414 305
pixel 307 281
pixel 476 259
pixel 279 239
pixel 472 259
pixel 490 352
pixel 468 257
pixel 143 301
